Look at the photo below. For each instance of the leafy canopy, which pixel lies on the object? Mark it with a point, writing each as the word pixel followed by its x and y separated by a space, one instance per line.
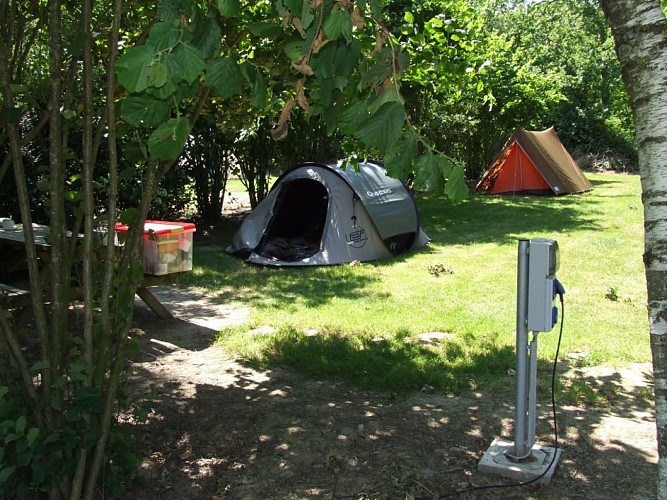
pixel 332 59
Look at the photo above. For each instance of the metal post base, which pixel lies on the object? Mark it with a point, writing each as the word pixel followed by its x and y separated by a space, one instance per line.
pixel 539 464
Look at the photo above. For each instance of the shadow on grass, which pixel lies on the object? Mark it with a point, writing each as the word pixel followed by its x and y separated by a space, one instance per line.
pixel 328 416
pixel 499 219
pixel 399 364
pixel 606 388
pixel 274 433
pixel 234 279
pixel 478 219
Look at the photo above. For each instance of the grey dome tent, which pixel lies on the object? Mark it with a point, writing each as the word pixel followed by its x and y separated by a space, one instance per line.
pixel 317 214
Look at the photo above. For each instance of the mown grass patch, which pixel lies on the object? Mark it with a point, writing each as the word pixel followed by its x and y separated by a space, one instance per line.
pixel 363 323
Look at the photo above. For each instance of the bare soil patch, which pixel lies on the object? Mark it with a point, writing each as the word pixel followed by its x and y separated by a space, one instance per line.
pixel 219 429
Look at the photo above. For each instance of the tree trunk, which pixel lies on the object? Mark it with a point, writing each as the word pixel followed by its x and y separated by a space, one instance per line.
pixel 640 33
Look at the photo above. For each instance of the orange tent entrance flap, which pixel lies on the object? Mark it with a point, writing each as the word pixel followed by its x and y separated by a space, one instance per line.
pixel 519 173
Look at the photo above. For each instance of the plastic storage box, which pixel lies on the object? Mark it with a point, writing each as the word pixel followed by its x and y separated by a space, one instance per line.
pixel 167 246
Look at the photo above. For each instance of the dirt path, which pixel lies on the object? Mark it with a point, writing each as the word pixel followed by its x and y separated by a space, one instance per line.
pixel 220 429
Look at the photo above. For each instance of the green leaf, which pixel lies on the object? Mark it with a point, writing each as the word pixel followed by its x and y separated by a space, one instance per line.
pixel 347 57
pixel 184 91
pixel 352 116
pixel 377 74
pixel 166 143
pixel 295 50
pixel 330 118
pixel 129 172
pixel 325 92
pixel 11 437
pixel 293 5
pixel 383 128
pixel 399 158
pixel 78 371
pixel 455 188
pixel 265 29
pixel 129 216
pixel 164 35
pixel 24 453
pixel 70 437
pixel 21 422
pixel 40 365
pixel 6 473
pixel 73 195
pixel 323 62
pixel 90 438
pixel 144 111
pixel 164 92
pixel 390 96
pixel 33 434
pixel 340 82
pixel 376 10
pixel 88 399
pixel 224 77
pixel 228 8
pixel 10 115
pixel 60 382
pixel 429 175
pixel 77 45
pixel 157 75
pixel 134 152
pixel 337 24
pixel 4 390
pixel 403 61
pixel 258 92
pixel 132 68
pixel 207 38
pixel 176 70
pixel 137 274
pixel 307 15
pixel 191 62
pixel 480 86
pixel 38 472
pixel 168 10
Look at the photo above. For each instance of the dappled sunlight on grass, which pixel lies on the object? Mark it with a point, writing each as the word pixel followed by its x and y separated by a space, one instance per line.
pixel 502 219
pixel 394 363
pixel 279 288
pixel 463 284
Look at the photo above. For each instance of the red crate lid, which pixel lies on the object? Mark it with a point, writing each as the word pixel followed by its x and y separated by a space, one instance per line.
pixel 160 227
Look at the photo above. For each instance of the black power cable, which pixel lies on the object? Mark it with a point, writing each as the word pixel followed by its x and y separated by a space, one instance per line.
pixel 560 291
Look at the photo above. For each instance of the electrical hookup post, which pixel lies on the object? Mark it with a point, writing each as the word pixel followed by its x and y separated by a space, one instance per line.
pixel 537 288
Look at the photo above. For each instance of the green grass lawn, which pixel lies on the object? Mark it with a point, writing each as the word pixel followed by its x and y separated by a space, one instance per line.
pixel 362 323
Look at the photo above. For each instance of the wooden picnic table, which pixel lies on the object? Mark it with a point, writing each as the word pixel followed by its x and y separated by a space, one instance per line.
pixel 13 259
pixel 12 247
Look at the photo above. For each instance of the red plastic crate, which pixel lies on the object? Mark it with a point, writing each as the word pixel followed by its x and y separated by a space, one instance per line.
pixel 167 246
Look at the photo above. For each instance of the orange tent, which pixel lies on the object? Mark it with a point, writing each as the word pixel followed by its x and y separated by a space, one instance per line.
pixel 534 162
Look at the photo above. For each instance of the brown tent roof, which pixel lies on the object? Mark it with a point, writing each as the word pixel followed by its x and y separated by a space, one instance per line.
pixel 539 159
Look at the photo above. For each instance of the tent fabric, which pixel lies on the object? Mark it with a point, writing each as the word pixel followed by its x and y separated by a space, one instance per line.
pixel 317 214
pixel 535 162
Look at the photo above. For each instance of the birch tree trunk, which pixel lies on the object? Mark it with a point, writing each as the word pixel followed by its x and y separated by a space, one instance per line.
pixel 640 34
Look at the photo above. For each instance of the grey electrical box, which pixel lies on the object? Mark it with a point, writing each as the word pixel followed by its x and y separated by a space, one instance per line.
pixel 543 263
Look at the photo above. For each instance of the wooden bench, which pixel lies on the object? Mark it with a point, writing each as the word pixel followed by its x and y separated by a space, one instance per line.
pixel 12 297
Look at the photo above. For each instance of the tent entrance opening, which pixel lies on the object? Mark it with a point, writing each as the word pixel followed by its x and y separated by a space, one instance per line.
pixel 295 229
